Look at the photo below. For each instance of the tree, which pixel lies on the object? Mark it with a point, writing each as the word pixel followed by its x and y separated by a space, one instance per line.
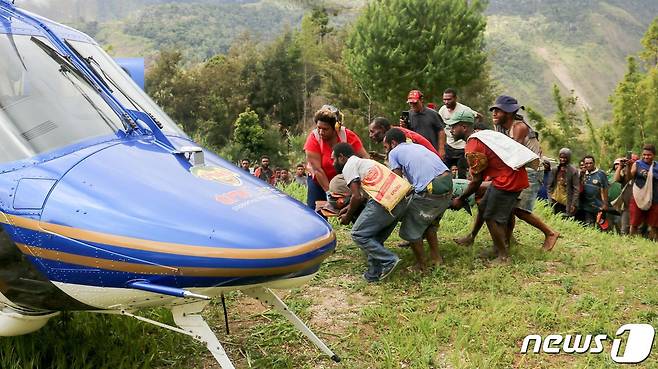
pixel 397 45
pixel 249 133
pixel 628 110
pixel 309 40
pixel 320 18
pixel 650 44
pixel 565 130
pixel 174 89
pixel 277 91
pixel 648 95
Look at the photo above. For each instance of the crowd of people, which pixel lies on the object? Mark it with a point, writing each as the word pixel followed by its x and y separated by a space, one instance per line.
pixel 277 176
pixel 620 200
pixel 433 161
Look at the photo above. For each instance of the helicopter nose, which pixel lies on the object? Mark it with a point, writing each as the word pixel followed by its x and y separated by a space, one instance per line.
pixel 134 210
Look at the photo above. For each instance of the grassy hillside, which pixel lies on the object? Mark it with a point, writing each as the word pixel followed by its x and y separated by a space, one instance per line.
pixel 465 314
pixel 580 45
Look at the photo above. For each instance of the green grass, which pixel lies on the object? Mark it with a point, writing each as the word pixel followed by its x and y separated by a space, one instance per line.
pixel 465 314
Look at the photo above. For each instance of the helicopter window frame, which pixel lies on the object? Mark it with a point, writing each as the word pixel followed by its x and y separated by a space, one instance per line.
pixel 130 93
pixel 42 109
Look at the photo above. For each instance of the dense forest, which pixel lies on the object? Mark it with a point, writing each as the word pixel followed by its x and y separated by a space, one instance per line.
pixel 367 69
pixel 579 45
pixel 264 66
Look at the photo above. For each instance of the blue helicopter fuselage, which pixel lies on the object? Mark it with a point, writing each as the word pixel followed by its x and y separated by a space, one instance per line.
pixel 95 194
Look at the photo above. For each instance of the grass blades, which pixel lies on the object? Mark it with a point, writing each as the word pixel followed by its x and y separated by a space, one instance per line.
pixel 465 314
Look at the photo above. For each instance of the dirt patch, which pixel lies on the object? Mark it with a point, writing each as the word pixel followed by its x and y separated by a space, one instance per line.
pixel 334 309
pixel 561 72
pixel 552 268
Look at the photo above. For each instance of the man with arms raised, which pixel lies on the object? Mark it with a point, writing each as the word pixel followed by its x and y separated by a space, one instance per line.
pixel 494 155
pixel 432 183
pixel 389 198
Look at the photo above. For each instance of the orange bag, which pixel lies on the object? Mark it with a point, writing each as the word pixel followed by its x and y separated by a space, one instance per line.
pixel 384 186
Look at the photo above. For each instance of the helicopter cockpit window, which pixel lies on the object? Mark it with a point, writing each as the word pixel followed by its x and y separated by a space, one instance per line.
pixel 125 89
pixel 43 105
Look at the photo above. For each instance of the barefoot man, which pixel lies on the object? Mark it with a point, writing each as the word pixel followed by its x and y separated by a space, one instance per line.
pixel 492 154
pixel 432 183
pixel 507 121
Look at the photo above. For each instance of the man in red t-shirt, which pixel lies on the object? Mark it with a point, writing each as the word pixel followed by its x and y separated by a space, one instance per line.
pixel 380 125
pixel 498 202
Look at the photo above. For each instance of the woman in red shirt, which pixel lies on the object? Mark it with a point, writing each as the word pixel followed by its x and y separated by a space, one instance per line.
pixel 318 147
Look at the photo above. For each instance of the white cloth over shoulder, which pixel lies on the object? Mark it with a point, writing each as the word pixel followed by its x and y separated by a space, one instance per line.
pixel 512 153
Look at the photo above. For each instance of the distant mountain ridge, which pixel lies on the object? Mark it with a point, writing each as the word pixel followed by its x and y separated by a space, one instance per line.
pixel 580 45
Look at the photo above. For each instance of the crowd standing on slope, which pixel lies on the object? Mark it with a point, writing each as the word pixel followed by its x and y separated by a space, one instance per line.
pixel 449 159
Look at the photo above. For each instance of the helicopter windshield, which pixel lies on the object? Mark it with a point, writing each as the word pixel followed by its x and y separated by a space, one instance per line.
pixel 125 89
pixel 44 104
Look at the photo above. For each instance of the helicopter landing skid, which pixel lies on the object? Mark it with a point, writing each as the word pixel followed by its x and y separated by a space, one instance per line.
pixel 188 318
pixel 267 297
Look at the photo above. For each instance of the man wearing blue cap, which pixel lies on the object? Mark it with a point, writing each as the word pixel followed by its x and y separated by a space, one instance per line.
pixel 507 121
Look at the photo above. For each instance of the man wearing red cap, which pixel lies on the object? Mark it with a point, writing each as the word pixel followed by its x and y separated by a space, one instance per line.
pixel 426 122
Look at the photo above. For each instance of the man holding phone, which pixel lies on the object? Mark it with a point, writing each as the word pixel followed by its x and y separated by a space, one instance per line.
pixel 425 121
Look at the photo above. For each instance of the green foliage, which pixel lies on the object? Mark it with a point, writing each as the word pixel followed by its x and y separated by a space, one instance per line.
pixel 650 44
pixel 635 100
pixel 564 130
pixel 398 45
pixel 628 115
pixel 276 90
pixel 283 82
pixel 320 18
pixel 248 133
pixel 94 341
pixel 201 31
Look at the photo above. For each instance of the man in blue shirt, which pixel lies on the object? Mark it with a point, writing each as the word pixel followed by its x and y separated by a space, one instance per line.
pixel 595 190
pixel 432 183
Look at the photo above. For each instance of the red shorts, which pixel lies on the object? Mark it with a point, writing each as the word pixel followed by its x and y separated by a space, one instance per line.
pixel 639 216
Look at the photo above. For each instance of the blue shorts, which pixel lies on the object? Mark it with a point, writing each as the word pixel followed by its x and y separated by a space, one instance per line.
pixel 528 196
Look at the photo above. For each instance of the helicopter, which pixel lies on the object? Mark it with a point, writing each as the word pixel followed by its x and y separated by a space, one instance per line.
pixel 107 206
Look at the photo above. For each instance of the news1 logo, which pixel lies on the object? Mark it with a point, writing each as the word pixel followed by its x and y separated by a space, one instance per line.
pixel 638 344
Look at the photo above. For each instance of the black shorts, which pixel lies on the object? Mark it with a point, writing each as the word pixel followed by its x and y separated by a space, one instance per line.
pixel 498 205
pixel 456 157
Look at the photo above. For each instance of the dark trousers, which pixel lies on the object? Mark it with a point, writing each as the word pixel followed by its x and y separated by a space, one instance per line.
pixel 456 157
pixel 314 192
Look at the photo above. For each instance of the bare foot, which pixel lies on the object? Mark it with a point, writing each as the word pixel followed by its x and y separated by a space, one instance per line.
pixel 550 240
pixel 436 261
pixel 465 241
pixel 420 267
pixel 404 244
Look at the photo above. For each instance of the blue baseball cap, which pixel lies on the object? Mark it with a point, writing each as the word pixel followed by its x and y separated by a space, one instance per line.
pixel 507 104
